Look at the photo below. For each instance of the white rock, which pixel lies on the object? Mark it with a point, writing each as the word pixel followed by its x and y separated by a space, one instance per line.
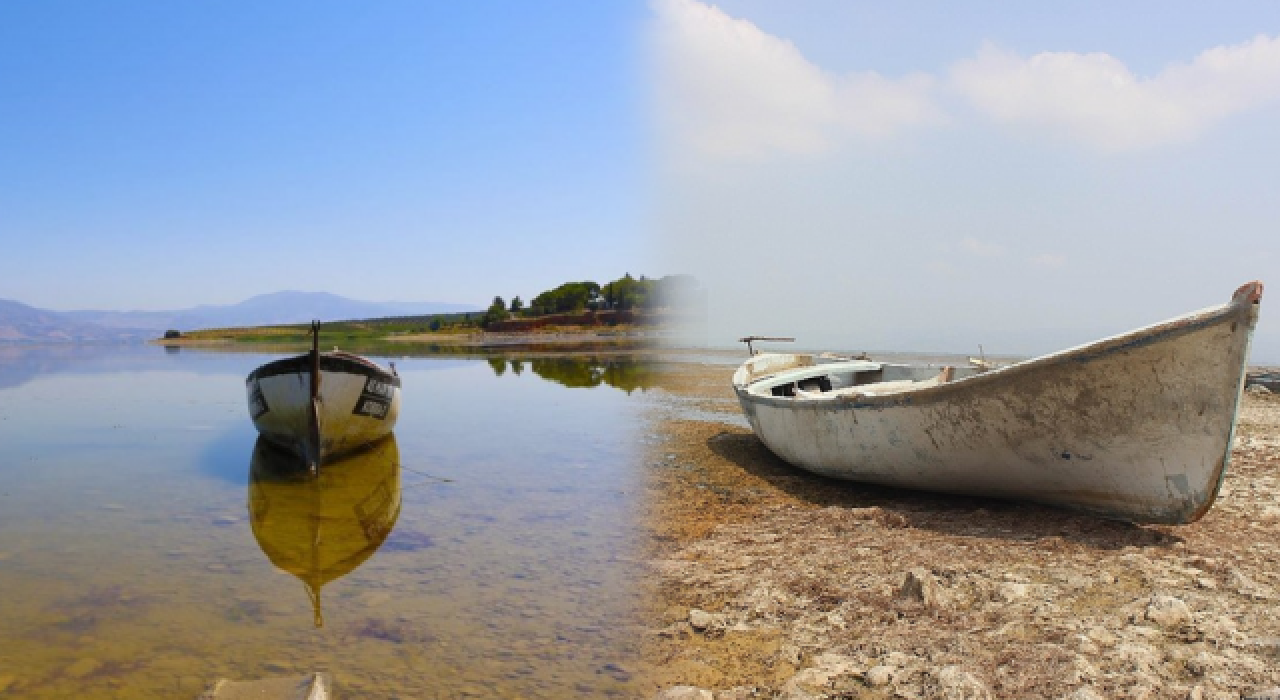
pixel 880 676
pixel 1084 692
pixel 685 692
pixel 702 620
pixel 1168 611
pixel 957 684
pixel 1135 657
pixel 838 663
pixel 897 658
pixel 1245 586
pixel 1010 592
pixel 315 686
pixel 920 585
pixel 1102 636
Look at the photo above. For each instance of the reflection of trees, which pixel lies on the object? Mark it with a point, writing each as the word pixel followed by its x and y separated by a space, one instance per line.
pixel 499 365
pixel 584 373
pixel 627 374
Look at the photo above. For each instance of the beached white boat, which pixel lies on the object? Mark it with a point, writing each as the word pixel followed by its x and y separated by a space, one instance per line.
pixel 1137 426
pixel 323 404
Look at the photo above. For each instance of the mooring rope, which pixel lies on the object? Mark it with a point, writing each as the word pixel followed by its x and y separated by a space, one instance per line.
pixel 430 478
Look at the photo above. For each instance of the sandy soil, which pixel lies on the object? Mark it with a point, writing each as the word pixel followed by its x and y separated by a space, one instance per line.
pixel 774 583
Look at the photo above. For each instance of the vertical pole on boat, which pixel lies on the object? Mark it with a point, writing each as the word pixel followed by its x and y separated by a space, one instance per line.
pixel 314 414
pixel 752 338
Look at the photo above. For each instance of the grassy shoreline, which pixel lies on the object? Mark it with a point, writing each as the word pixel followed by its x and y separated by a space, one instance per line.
pixel 353 335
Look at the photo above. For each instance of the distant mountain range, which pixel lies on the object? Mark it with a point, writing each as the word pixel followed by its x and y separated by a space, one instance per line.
pixel 20 323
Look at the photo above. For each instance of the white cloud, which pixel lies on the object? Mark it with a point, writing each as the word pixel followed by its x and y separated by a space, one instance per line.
pixel 1094 98
pixel 1050 260
pixel 982 248
pixel 728 90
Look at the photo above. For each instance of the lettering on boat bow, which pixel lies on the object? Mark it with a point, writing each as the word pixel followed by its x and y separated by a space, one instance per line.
pixel 375 400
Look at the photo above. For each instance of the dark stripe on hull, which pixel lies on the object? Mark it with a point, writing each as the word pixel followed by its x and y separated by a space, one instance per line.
pixel 329 362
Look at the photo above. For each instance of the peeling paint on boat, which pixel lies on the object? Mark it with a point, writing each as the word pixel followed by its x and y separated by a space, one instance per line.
pixel 1137 426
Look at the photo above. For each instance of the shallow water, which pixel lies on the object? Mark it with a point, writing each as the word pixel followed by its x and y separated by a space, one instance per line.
pixel 138 559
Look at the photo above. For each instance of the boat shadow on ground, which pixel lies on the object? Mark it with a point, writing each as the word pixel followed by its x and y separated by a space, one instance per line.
pixel 961 516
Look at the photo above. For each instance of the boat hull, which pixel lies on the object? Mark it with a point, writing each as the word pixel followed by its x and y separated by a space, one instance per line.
pixel 358 402
pixel 1136 427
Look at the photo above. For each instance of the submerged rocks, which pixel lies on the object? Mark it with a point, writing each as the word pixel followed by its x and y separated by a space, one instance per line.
pixel 83 667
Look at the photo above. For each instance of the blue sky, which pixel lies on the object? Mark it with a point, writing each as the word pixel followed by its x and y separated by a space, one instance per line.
pixel 159 155
pixel 930 176
pixel 1014 175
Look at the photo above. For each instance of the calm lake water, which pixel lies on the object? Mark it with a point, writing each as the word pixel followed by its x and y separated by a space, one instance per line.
pixel 146 549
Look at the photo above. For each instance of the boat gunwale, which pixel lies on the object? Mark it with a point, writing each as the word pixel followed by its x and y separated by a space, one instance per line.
pixel 342 362
pixel 1234 310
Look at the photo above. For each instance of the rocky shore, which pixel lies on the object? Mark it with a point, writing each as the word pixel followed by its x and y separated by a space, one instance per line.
pixel 773 583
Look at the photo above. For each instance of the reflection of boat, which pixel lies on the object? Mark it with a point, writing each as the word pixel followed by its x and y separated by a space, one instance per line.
pixel 1136 427
pixel 322 404
pixel 322 528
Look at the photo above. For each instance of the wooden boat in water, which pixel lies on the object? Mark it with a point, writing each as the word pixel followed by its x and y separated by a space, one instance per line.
pixel 319 405
pixel 1137 426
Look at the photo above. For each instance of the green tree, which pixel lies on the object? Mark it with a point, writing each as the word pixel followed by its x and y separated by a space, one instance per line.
pixel 497 312
pixel 516 305
pixel 570 296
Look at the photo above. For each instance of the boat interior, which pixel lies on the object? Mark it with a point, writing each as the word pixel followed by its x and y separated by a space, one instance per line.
pixel 822 378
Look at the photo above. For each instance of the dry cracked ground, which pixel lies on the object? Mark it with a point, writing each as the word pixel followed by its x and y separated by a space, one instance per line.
pixel 773 583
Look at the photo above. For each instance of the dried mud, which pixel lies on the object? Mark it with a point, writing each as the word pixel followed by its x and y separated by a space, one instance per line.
pixel 774 583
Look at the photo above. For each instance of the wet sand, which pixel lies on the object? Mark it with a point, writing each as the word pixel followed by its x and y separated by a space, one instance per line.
pixel 772 582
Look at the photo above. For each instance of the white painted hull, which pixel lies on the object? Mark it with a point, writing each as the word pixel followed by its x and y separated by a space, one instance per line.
pixel 1137 426
pixel 358 403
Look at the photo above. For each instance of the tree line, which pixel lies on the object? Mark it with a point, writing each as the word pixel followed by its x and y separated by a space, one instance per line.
pixel 626 293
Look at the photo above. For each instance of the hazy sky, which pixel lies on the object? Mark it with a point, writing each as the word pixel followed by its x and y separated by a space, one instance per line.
pixel 912 176
pixel 861 175
pixel 163 154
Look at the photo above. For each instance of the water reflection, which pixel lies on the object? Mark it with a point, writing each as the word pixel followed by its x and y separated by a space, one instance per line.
pixel 625 373
pixel 322 528
pixel 130 542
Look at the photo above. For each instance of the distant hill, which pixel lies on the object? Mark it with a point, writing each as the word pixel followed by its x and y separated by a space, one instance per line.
pixel 22 323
